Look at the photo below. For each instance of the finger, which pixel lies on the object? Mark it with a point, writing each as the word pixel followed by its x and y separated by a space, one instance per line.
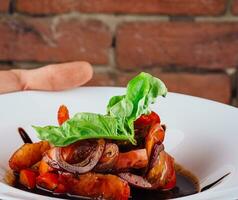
pixel 57 77
pixel 9 82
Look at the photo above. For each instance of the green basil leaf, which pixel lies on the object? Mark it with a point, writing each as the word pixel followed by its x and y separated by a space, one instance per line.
pixel 84 126
pixel 122 108
pixel 141 92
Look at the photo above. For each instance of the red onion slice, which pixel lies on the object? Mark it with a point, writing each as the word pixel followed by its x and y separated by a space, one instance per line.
pixel 85 166
pixel 157 148
pixel 135 180
pixel 108 159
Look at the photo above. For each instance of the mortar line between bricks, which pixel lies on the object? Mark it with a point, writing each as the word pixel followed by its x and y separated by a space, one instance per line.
pixel 109 68
pixel 133 15
pixel 181 18
pixel 112 57
pixel 112 21
pixel 221 19
pixel 229 72
pixel 12 7
pixel 200 71
pixel 226 17
pixel 229 8
pixel 109 15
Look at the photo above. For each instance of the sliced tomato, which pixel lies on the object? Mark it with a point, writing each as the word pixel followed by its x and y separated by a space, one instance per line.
pixel 147 120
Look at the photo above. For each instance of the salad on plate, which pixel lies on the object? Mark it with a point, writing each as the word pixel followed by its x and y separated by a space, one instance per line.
pixel 100 156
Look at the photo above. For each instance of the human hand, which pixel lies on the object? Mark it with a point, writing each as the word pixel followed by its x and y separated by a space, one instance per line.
pixel 54 77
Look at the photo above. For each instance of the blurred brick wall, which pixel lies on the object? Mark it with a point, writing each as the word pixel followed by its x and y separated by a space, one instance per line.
pixel 190 44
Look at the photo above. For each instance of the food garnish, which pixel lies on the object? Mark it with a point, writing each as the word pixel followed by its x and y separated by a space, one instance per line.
pixel 117 124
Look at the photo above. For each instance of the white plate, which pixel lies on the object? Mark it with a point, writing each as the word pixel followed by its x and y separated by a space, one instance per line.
pixel 202 135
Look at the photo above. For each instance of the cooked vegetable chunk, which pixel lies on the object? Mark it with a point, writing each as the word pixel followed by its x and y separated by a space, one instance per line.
pixel 63 114
pixel 27 178
pixel 27 155
pixel 99 185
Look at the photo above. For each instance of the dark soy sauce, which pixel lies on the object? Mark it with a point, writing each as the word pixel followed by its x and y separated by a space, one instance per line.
pixel 187 184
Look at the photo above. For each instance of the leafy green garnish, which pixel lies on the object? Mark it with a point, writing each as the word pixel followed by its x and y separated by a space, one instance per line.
pixel 83 126
pixel 118 124
pixel 141 92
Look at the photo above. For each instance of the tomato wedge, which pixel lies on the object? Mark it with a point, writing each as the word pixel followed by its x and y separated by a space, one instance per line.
pixel 147 120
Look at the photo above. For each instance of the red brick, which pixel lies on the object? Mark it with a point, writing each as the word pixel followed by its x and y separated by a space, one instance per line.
pixel 211 86
pixel 235 7
pixel 35 39
pixel 4 5
pixel 101 79
pixel 170 7
pixel 186 44
pixel 46 6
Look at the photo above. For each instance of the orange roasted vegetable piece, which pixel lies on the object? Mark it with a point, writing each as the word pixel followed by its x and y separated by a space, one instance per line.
pixel 48 181
pixel 44 167
pixel 98 186
pixel 27 155
pixel 63 114
pixel 27 177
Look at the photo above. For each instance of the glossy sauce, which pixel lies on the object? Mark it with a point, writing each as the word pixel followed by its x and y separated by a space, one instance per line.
pixel 187 184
